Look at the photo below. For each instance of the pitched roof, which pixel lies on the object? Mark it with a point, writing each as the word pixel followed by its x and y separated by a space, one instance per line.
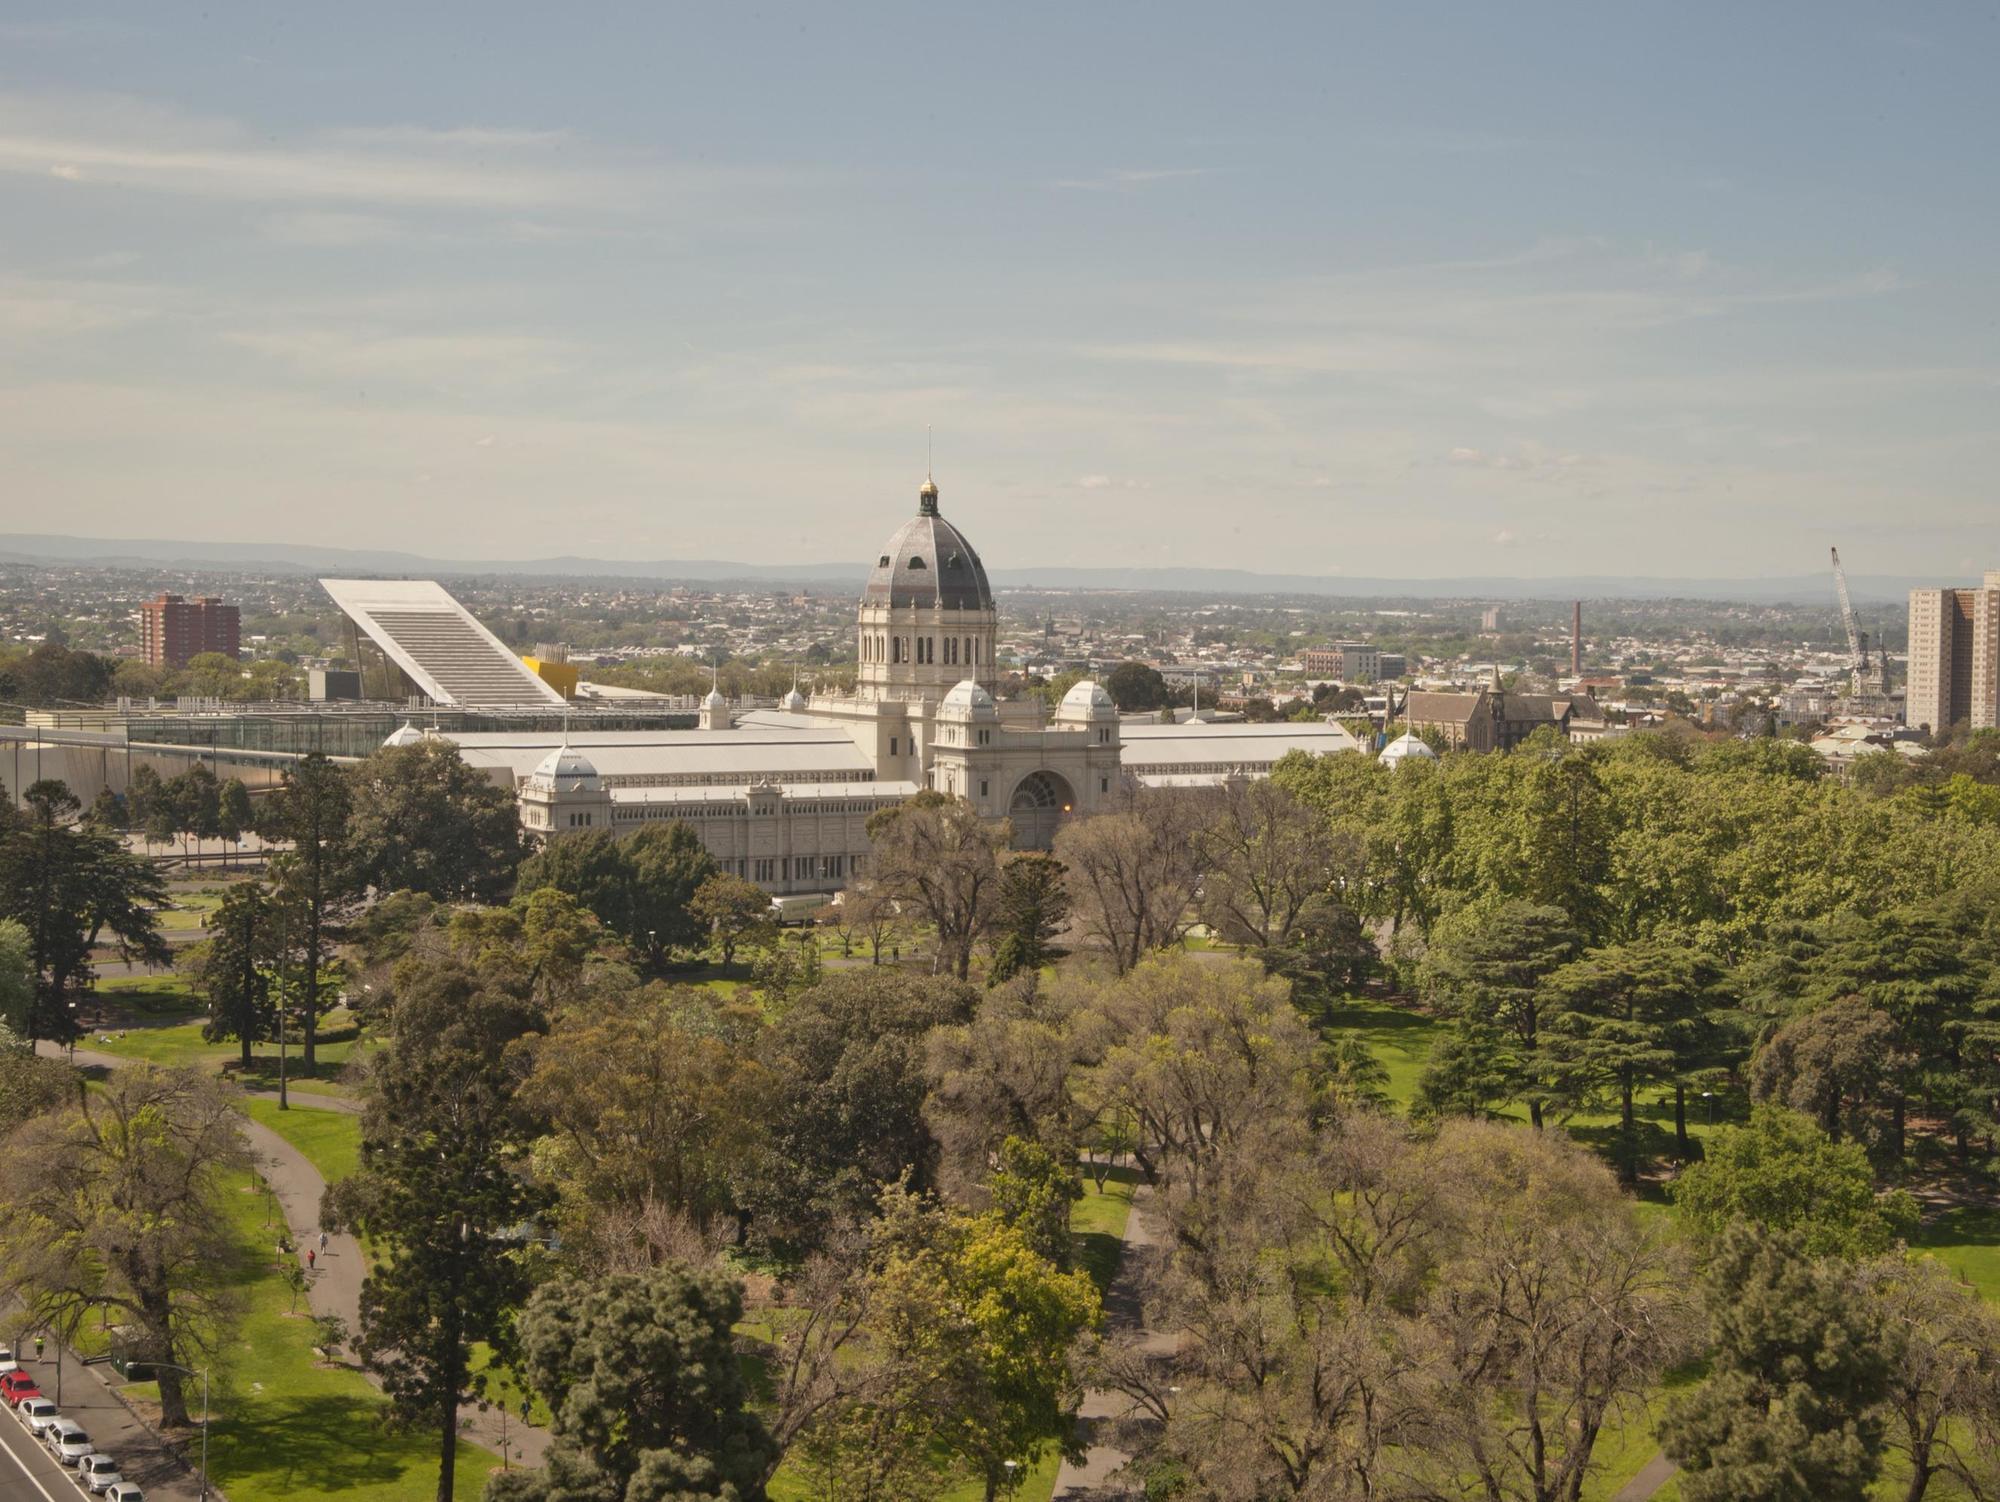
pixel 1443 709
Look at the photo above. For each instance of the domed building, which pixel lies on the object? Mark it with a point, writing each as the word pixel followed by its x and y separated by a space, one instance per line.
pixel 783 796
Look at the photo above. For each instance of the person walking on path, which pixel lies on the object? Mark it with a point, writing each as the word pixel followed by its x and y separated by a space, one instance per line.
pixel 312 1259
pixel 39 1343
pixel 322 1241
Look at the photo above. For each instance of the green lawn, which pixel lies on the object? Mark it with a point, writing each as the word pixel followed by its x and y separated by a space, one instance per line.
pixel 183 1045
pixel 1399 1037
pixel 1967 1240
pixel 161 995
pixel 288 1428
pixel 329 1140
pixel 1098 1222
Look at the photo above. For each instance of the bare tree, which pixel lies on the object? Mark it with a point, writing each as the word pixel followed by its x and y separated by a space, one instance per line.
pixel 1266 855
pixel 870 915
pixel 936 857
pixel 1134 873
pixel 116 1201
pixel 1944 1381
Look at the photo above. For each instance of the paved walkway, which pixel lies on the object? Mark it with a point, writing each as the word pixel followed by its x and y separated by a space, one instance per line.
pixel 1095 1476
pixel 1653 1475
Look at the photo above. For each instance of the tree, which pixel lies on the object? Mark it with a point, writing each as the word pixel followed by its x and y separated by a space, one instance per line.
pixel 234 814
pixel 978 1329
pixel 1627 1016
pixel 425 821
pixel 108 810
pixel 1943 1406
pixel 30 1084
pixel 868 911
pixel 847 1063
pixel 1031 913
pixel 669 864
pixel 444 1140
pixel 119 1201
pixel 1032 1191
pixel 68 883
pixel 1264 858
pixel 232 968
pixel 1134 874
pixel 1471 1071
pixel 316 879
pixel 1835 1063
pixel 593 866
pixel 734 911
pixel 1489 965
pixel 935 856
pixel 1791 1409
pixel 1782 1172
pixel 1135 686
pixel 141 793
pixel 647 1399
pixel 17 977
pixel 196 800
pixel 654 1098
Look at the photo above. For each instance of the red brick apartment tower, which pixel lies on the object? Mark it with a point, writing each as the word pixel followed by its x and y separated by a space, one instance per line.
pixel 173 629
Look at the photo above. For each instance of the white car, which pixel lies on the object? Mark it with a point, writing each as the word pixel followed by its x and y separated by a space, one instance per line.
pixel 124 1491
pixel 37 1414
pixel 67 1441
pixel 7 1361
pixel 99 1472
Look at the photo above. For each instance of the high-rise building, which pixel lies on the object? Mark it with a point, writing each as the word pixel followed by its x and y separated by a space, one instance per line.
pixel 1347 661
pixel 172 629
pixel 1954 657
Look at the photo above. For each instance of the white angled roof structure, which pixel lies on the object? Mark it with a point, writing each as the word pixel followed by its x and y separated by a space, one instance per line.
pixel 438 645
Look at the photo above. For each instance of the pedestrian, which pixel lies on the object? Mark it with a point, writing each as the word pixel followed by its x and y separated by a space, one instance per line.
pixel 322 1241
pixel 312 1259
pixel 38 1348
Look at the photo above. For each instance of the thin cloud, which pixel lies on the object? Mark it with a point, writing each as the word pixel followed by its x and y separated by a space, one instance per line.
pixel 1114 181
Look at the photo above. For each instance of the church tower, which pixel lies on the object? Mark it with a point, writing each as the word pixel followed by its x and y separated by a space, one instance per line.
pixel 927 620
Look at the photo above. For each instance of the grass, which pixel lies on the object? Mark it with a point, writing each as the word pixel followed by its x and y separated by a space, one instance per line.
pixel 183 1046
pixel 1098 1223
pixel 162 995
pixel 329 1140
pixel 287 1427
pixel 1399 1037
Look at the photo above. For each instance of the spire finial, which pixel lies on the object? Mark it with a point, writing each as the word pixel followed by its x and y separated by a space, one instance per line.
pixel 927 493
pixel 927 451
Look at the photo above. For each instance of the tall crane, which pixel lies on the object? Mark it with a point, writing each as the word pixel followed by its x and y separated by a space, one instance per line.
pixel 1860 680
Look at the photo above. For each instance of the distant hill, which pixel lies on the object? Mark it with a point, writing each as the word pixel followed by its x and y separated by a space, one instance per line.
pixel 303 558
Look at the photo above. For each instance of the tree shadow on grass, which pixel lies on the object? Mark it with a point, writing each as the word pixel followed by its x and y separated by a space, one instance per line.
pixel 286 1446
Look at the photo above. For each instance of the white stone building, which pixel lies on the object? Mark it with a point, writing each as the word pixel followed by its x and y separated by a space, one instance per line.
pixel 783 796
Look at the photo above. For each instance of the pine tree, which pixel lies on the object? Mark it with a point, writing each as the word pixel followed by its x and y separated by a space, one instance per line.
pixel 1791 1409
pixel 1033 909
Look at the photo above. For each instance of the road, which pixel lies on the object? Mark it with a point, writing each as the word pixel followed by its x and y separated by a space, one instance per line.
pixel 29 1474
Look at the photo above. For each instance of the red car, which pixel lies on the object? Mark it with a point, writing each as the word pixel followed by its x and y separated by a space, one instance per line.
pixel 18 1385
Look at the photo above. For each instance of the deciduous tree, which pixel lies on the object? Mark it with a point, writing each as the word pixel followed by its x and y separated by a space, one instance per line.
pixel 935 856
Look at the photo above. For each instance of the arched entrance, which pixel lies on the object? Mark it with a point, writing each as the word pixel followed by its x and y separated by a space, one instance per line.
pixel 1040 803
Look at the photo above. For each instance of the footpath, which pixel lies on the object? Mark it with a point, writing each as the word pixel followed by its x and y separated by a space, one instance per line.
pixel 334 1281
pixel 1096 1475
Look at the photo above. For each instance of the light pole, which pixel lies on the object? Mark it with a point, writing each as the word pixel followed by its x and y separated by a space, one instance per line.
pixel 72 1034
pixel 203 1374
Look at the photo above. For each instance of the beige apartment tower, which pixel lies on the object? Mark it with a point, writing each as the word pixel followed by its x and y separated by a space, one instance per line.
pixel 1955 657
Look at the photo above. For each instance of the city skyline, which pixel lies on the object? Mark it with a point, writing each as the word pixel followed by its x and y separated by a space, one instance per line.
pixel 1524 295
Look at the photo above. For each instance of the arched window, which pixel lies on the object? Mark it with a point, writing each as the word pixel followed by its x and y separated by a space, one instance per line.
pixel 918 563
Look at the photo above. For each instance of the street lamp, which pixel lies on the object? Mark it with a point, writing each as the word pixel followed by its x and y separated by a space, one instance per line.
pixel 203 1374
pixel 72 1033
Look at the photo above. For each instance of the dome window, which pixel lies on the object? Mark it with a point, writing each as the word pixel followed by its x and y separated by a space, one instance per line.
pixel 883 561
pixel 954 561
pixel 918 563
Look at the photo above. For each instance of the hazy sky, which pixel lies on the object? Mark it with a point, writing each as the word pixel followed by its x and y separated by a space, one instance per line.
pixel 1397 289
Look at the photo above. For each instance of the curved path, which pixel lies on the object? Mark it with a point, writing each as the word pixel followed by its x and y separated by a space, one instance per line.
pixel 335 1286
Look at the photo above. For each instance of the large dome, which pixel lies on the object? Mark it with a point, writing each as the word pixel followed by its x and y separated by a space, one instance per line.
pixel 929 563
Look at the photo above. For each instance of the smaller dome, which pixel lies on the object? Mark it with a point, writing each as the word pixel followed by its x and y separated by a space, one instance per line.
pixel 793 702
pixel 566 764
pixel 1087 701
pixel 404 734
pixel 1406 748
pixel 714 700
pixel 967 697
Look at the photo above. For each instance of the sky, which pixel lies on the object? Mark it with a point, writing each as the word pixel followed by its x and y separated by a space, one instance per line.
pixel 1400 290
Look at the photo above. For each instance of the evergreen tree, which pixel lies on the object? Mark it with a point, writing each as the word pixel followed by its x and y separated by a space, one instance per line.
pixel 1791 1408
pixel 668 864
pixel 316 878
pixel 441 1190
pixel 232 968
pixel 646 1396
pixel 1489 968
pixel 1031 912
pixel 425 821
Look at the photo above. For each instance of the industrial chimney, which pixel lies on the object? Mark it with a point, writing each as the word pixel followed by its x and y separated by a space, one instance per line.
pixel 1576 639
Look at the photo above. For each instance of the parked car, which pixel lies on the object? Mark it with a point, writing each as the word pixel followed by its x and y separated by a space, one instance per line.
pixel 67 1441
pixel 37 1413
pixel 99 1472
pixel 7 1361
pixel 124 1491
pixel 16 1386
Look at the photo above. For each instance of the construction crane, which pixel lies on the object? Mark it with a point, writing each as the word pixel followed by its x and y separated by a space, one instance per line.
pixel 1860 679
